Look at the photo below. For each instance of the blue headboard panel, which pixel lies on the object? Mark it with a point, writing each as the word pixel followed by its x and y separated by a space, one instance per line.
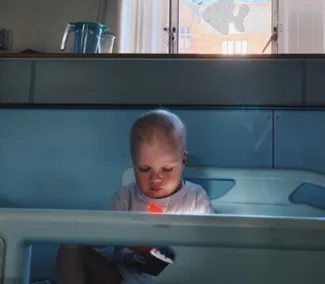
pixel 75 158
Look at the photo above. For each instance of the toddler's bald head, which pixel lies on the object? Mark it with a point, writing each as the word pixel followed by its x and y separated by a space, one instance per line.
pixel 158 126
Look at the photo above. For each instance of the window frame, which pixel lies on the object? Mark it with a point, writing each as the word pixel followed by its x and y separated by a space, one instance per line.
pixel 174 26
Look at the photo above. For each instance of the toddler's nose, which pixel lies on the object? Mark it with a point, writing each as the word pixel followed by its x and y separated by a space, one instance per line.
pixel 155 177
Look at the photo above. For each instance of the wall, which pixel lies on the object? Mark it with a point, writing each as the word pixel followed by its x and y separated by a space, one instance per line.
pixel 39 25
pixel 217 81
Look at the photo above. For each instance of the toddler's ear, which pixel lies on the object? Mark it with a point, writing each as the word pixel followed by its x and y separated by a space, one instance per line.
pixel 184 158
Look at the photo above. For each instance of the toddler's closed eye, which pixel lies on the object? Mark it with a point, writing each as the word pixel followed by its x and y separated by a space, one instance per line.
pixel 144 170
pixel 167 169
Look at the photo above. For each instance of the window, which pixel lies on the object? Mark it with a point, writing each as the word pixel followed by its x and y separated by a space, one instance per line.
pixel 222 26
pixel 184 38
pixel 198 26
pixel 234 47
pixel 214 31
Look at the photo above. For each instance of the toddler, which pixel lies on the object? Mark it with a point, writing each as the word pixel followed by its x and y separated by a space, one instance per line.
pixel 158 151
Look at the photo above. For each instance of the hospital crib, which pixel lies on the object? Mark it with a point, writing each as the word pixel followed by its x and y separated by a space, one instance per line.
pixel 270 228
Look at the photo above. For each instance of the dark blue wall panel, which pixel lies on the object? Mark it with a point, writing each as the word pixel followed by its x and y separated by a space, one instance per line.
pixel 299 140
pixel 236 138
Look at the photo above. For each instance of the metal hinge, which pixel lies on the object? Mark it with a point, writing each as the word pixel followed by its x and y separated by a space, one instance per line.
pixel 171 33
pixel 273 38
pixel 172 39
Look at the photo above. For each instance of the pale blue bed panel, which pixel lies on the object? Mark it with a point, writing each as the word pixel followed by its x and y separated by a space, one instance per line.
pixel 222 248
pixel 272 192
pixel 234 191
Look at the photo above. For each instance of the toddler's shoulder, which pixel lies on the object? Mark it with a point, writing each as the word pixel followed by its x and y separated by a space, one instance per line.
pixel 127 190
pixel 196 193
pixel 194 189
pixel 122 198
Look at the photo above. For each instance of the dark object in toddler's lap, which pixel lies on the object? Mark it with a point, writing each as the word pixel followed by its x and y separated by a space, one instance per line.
pixel 152 262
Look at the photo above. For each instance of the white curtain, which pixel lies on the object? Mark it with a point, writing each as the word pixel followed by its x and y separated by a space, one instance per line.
pixel 302 26
pixel 142 24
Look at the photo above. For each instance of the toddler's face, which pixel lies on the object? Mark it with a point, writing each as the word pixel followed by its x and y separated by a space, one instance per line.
pixel 158 169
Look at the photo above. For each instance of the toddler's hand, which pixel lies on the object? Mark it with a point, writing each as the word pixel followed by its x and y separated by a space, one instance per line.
pixel 164 253
pixel 152 262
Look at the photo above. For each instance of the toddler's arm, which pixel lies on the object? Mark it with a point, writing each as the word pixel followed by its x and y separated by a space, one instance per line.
pixel 115 204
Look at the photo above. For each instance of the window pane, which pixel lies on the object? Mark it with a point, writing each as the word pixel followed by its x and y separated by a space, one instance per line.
pixel 244 47
pixel 230 47
pixel 142 26
pixel 303 26
pixel 238 49
pixel 223 26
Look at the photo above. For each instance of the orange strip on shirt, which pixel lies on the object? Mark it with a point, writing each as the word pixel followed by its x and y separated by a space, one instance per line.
pixel 153 209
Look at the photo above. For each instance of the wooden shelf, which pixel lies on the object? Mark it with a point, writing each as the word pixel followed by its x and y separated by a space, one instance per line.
pixel 160 56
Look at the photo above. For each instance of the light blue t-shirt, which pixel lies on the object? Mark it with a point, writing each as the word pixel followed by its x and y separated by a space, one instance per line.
pixel 190 199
